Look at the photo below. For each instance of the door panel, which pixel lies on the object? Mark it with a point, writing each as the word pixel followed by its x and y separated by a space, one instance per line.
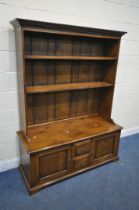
pixel 52 164
pixel 106 147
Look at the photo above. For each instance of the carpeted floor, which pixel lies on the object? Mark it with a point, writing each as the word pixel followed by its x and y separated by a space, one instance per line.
pixel 114 186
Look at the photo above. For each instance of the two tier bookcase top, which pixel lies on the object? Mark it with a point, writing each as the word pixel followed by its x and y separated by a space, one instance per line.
pixel 66 77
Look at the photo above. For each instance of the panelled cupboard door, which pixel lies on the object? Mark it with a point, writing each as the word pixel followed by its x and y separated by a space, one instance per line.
pixel 51 164
pixel 105 147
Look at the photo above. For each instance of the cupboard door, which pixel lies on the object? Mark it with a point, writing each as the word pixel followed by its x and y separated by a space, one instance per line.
pixel 51 164
pixel 106 147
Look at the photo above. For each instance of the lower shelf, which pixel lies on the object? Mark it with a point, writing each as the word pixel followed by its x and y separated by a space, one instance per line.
pixel 48 166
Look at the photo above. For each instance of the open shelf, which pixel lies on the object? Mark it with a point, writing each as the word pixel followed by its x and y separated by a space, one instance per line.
pixel 70 57
pixel 64 87
pixel 67 131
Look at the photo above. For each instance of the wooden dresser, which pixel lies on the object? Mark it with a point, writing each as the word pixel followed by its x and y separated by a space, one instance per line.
pixel 66 79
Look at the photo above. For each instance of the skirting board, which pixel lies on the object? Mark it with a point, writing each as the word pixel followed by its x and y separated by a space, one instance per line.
pixel 129 132
pixel 6 165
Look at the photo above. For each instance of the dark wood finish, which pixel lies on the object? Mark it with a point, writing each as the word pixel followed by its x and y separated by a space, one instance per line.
pixel 66 29
pixel 66 80
pixel 61 105
pixel 65 131
pixel 63 87
pixel 21 78
pixel 81 148
pixel 64 163
pixel 53 164
pixel 41 57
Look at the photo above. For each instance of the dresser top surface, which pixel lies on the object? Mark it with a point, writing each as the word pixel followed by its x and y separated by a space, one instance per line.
pixel 46 136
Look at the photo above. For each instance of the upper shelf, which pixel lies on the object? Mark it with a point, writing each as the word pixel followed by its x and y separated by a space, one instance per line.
pixel 70 57
pixel 64 87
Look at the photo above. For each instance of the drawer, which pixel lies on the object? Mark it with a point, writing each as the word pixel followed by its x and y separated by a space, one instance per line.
pixel 81 162
pixel 81 148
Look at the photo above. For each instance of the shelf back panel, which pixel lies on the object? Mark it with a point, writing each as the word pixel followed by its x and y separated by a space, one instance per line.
pixel 56 45
pixel 49 107
pixel 42 72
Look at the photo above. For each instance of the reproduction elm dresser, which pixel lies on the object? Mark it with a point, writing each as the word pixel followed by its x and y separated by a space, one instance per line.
pixel 66 80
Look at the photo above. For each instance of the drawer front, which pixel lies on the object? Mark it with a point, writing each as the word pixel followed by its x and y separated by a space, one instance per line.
pixel 81 148
pixel 81 162
pixel 106 147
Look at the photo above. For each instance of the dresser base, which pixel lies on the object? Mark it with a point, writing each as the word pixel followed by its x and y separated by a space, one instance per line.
pixel 49 166
pixel 35 189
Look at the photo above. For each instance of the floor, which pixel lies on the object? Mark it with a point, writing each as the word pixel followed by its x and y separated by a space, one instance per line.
pixel 114 186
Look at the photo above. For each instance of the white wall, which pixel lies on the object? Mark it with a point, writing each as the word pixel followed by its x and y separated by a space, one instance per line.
pixel 107 14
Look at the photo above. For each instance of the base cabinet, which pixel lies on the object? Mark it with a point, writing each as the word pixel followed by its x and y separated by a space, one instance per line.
pixel 55 164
